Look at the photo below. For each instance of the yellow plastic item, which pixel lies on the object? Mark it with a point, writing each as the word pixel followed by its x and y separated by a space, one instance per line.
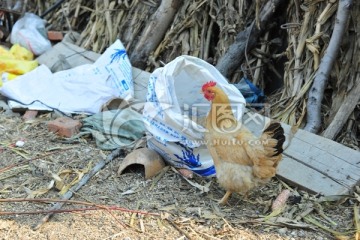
pixel 5 53
pixel 17 67
pixel 21 53
pixel 14 62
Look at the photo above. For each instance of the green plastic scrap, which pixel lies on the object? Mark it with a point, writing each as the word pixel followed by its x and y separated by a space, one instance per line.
pixel 114 129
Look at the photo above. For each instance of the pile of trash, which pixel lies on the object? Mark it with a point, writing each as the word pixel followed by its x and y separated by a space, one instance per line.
pixel 167 110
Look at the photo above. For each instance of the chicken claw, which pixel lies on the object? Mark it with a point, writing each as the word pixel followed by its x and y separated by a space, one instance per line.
pixel 224 200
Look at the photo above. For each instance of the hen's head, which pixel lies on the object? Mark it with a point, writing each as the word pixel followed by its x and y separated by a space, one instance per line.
pixel 208 89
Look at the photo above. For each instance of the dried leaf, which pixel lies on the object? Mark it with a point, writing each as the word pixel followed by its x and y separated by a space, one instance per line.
pixel 320 211
pixel 274 213
pixel 291 223
pixel 63 186
pixel 337 234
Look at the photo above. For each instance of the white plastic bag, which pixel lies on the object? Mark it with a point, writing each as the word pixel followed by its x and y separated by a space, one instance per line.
pixel 83 89
pixel 118 66
pixel 29 31
pixel 175 106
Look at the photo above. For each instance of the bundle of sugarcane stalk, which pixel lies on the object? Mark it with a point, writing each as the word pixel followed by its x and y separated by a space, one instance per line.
pixel 310 29
pixel 269 42
pixel 199 28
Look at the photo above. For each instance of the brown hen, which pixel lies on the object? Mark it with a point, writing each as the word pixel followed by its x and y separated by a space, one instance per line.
pixel 242 160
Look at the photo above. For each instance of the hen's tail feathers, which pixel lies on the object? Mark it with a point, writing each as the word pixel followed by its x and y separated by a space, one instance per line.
pixel 274 131
pixel 266 162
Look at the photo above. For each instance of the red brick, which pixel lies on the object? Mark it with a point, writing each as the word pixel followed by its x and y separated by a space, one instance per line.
pixel 55 36
pixel 30 115
pixel 64 126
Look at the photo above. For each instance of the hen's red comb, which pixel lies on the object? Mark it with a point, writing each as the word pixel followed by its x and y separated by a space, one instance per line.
pixel 208 84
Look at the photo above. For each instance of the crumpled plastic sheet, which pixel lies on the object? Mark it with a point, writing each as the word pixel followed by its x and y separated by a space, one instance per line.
pixel 114 129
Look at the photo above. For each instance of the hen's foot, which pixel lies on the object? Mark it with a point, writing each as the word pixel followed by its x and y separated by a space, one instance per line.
pixel 224 200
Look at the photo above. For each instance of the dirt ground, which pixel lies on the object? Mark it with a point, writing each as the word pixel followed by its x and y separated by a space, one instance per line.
pixel 130 207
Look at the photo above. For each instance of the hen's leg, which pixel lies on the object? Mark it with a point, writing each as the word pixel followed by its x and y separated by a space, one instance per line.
pixel 224 200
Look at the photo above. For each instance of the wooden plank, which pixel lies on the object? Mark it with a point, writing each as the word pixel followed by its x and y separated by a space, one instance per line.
pixel 312 162
pixel 304 177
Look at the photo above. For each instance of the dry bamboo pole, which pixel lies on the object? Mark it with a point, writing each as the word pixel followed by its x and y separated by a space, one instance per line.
pixel 107 9
pixel 76 15
pixel 298 76
pixel 313 44
pixel 91 37
pixel 207 41
pixel 241 7
pixel 185 36
pixel 203 35
pixel 259 60
pixel 194 40
pixel 257 13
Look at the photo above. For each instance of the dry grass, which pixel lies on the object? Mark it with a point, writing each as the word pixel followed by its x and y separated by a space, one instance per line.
pixel 183 209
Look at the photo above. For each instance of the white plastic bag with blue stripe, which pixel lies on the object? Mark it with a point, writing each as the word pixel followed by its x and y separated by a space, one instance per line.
pixel 118 67
pixel 175 112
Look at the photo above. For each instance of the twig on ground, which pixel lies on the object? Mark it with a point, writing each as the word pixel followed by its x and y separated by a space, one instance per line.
pixel 58 211
pixel 179 229
pixel 93 206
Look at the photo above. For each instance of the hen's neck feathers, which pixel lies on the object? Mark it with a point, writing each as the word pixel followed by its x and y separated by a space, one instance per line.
pixel 220 105
pixel 220 96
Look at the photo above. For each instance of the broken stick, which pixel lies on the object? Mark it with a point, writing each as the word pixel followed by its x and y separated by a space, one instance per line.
pixel 84 180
